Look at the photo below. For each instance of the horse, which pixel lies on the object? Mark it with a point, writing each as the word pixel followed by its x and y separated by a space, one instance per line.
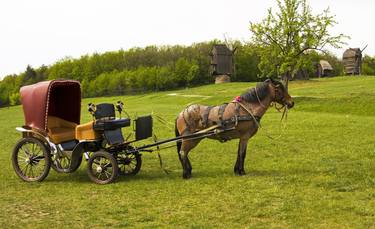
pixel 239 119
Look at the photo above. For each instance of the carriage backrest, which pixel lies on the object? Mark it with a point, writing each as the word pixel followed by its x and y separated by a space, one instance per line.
pixel 105 111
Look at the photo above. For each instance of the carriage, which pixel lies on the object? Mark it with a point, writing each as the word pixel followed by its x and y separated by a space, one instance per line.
pixel 53 136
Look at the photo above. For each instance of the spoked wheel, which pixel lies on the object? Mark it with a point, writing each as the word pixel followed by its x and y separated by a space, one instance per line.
pixel 129 164
pixel 31 160
pixel 61 162
pixel 102 167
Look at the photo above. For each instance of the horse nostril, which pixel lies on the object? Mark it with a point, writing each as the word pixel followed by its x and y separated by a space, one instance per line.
pixel 291 105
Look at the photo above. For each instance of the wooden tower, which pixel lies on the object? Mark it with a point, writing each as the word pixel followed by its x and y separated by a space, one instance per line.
pixel 221 63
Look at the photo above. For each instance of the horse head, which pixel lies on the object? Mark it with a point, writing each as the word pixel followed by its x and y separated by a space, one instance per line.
pixel 281 94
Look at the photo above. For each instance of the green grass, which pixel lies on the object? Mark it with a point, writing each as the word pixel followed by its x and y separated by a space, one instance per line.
pixel 319 174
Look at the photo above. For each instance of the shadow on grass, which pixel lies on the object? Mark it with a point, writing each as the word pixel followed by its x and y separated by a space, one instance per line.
pixel 176 174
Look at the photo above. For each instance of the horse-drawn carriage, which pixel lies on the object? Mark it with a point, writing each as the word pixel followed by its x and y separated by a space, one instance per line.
pixel 53 136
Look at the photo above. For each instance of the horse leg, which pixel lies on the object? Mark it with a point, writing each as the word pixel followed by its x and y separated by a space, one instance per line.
pixel 241 155
pixel 186 146
pixel 236 166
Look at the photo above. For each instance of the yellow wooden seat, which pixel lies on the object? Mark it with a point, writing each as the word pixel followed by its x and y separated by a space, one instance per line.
pixel 60 130
pixel 86 132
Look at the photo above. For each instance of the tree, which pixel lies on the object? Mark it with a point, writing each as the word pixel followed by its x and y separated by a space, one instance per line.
pixel 368 65
pixel 30 75
pixel 287 36
pixel 185 71
pixel 247 61
pixel 14 98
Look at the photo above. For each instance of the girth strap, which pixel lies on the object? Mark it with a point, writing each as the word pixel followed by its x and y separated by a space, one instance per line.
pixel 221 112
pixel 205 116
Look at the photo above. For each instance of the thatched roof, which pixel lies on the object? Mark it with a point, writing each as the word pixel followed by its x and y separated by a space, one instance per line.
pixel 221 49
pixel 325 65
pixel 351 53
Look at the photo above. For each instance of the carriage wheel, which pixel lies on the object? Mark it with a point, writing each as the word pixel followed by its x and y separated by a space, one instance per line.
pixel 61 163
pixel 129 164
pixel 31 160
pixel 102 167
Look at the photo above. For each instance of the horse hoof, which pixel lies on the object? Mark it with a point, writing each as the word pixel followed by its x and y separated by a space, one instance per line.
pixel 186 176
pixel 239 173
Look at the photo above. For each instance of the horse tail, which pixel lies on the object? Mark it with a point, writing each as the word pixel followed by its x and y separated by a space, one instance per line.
pixel 178 143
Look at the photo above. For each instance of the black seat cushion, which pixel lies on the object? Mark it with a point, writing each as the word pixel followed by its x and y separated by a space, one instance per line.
pixel 111 124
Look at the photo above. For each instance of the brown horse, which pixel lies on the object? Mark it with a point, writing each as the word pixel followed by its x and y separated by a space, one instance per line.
pixel 240 118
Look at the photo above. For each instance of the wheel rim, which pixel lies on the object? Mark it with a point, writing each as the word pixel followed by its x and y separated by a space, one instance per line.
pixel 102 168
pixel 31 160
pixel 128 164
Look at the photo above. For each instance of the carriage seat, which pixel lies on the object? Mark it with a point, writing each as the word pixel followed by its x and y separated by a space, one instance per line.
pixel 86 132
pixel 111 124
pixel 60 130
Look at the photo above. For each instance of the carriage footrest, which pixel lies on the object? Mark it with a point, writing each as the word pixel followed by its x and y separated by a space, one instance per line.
pixel 69 145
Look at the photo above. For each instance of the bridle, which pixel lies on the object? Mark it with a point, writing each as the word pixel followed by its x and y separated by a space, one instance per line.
pixel 281 107
pixel 273 104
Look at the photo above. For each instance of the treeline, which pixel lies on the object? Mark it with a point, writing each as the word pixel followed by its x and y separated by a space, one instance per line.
pixel 152 68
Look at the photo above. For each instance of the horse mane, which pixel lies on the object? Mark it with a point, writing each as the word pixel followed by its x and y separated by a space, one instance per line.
pixel 259 91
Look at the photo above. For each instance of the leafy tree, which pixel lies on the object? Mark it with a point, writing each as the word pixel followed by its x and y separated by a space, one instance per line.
pixel 246 61
pixel 185 71
pixel 30 75
pixel 14 98
pixel 368 65
pixel 288 35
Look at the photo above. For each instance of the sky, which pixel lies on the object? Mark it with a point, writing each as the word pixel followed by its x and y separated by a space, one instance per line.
pixel 44 31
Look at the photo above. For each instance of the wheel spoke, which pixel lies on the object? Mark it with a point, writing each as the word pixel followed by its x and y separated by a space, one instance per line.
pixel 100 176
pixel 107 174
pixel 24 170
pixel 27 154
pixel 22 158
pixel 107 165
pixel 33 148
pixel 32 171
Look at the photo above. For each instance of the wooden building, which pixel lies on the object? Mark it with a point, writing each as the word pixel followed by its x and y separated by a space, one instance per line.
pixel 324 68
pixel 352 60
pixel 221 63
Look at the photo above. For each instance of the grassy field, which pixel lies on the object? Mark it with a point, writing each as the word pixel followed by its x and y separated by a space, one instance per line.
pixel 319 174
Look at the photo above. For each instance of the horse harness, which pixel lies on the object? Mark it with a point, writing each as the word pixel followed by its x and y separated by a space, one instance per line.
pixel 221 123
pixel 233 120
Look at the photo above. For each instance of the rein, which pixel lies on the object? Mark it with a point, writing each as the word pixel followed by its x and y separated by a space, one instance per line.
pixel 284 115
pixel 248 111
